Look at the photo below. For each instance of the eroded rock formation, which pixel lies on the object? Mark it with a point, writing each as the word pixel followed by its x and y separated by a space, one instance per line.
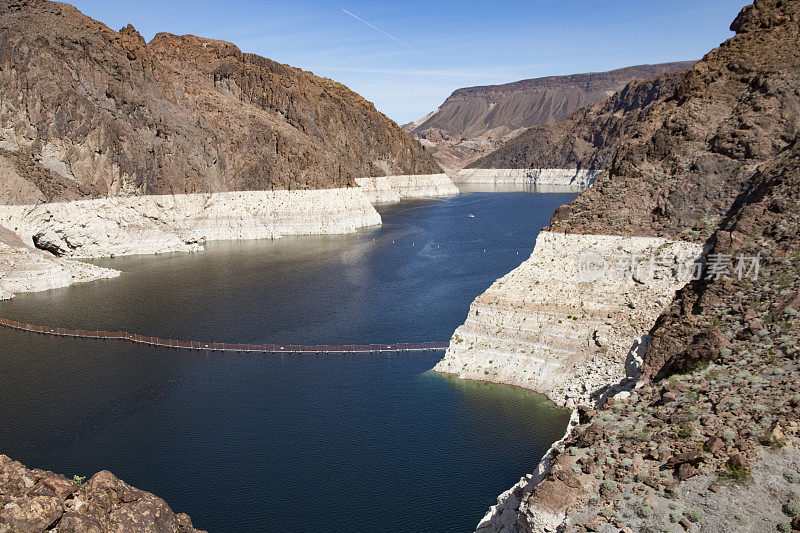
pixel 33 500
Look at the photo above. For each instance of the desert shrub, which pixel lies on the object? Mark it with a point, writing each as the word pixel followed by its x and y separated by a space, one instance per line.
pixel 792 508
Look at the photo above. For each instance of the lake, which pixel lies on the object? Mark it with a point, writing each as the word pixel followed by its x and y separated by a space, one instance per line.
pixel 290 443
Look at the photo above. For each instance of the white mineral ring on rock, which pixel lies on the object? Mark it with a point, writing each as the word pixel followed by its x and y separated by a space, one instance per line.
pixel 591 266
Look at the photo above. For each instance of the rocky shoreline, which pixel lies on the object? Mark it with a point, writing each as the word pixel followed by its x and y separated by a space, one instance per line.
pixel 110 227
pixel 558 327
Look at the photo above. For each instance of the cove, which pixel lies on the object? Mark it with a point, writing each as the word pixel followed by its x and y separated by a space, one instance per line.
pixel 246 442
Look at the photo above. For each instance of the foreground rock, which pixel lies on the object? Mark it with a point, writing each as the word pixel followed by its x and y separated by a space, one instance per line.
pixel 90 112
pixel 182 223
pixel 474 121
pixel 33 500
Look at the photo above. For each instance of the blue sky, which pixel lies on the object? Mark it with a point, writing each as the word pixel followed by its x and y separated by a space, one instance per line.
pixel 443 45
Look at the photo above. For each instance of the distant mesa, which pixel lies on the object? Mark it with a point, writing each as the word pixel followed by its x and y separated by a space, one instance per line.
pixel 474 121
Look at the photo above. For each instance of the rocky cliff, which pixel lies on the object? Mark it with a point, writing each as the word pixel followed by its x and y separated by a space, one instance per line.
pixel 474 121
pixel 589 138
pixel 89 112
pixel 34 500
pixel 706 438
pixel 682 169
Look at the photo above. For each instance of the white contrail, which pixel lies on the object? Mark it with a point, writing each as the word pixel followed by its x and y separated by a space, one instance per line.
pixel 392 37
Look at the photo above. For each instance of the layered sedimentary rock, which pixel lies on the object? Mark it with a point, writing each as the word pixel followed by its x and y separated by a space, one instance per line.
pixel 39 500
pixel 573 318
pixel 589 138
pixel 181 223
pixel 89 112
pixel 395 188
pixel 567 178
pixel 476 120
pixel 26 269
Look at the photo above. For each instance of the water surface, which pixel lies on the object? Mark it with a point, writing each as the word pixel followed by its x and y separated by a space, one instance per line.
pixel 248 442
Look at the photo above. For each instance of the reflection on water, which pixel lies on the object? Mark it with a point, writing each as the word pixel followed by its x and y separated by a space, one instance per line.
pixel 244 442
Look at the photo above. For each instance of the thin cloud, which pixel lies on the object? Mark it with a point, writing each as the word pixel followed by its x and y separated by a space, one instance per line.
pixel 392 37
pixel 444 73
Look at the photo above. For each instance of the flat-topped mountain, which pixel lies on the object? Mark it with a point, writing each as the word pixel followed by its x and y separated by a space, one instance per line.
pixel 90 112
pixel 589 138
pixel 475 120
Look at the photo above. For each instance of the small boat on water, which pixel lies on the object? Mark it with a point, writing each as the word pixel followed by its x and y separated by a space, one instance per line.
pixel 471 215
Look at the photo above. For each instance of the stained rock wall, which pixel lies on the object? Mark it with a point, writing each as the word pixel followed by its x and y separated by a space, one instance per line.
pixel 573 317
pixel 181 223
pixel 395 188
pixel 571 179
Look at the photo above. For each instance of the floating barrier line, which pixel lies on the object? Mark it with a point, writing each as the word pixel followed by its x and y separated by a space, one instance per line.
pixel 221 346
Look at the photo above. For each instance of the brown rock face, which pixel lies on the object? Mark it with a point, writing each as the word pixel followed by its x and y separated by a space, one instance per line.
pixel 684 166
pixel 474 121
pixel 98 112
pixel 38 500
pixel 589 138
pixel 765 220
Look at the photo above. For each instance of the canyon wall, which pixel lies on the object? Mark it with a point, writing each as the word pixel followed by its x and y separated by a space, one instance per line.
pixel 395 188
pixel 589 138
pixel 89 112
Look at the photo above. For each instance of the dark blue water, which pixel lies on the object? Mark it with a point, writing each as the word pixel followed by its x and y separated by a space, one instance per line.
pixel 289 443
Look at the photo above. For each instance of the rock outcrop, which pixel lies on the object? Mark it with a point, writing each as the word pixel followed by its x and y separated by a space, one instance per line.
pixel 395 188
pixel 89 112
pixel 182 223
pixel 26 269
pixel 474 121
pixel 33 500
pixel 589 138
pixel 574 317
